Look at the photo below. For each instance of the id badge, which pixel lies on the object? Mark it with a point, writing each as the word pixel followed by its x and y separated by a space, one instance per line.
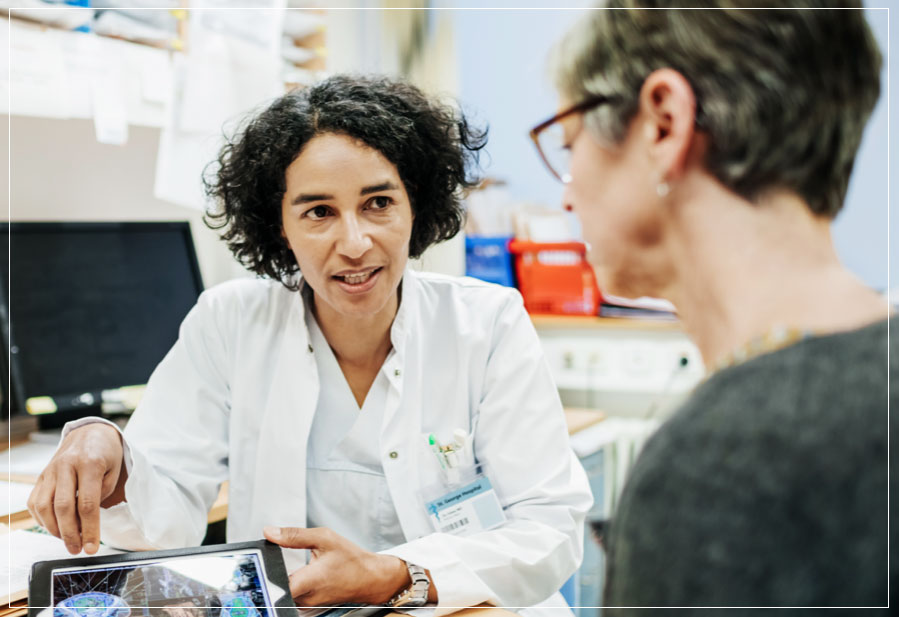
pixel 466 508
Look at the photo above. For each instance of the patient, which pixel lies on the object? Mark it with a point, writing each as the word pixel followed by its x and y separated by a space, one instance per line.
pixel 707 153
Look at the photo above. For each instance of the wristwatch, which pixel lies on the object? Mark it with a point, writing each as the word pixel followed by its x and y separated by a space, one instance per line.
pixel 415 594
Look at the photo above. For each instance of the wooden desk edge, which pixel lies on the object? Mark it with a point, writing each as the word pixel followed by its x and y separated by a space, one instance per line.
pixel 587 322
pixel 578 418
pixel 219 510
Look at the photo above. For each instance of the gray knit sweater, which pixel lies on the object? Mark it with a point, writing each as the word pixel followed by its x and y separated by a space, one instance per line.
pixel 768 487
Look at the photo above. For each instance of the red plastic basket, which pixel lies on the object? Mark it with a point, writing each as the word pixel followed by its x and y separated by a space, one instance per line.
pixel 555 278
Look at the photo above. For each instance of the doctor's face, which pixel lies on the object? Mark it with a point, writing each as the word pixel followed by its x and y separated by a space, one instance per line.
pixel 347 219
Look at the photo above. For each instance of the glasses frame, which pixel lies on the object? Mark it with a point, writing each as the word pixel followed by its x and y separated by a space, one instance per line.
pixel 583 106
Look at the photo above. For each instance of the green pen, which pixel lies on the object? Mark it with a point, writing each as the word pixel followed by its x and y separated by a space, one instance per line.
pixel 435 446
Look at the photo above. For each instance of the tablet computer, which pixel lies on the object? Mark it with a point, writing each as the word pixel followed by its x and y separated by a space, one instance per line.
pixel 246 579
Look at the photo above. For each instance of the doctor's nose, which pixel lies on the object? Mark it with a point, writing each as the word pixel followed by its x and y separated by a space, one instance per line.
pixel 353 241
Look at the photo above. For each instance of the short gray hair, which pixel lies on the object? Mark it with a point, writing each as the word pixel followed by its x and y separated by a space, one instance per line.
pixel 784 95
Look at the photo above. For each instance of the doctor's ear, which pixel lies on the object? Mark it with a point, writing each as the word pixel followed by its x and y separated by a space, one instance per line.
pixel 667 111
pixel 286 241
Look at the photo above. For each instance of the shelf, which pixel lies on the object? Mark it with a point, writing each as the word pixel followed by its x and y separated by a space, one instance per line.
pixel 585 322
pixel 64 74
pixel 67 74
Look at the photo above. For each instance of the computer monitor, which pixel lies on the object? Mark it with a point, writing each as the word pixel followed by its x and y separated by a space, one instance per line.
pixel 88 307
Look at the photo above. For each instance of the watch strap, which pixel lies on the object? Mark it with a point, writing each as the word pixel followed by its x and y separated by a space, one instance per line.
pixel 415 594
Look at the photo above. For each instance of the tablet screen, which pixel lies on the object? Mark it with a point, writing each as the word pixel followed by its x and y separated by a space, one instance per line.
pixel 205 585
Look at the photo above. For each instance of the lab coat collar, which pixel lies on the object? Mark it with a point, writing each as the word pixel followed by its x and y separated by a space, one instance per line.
pixel 408 304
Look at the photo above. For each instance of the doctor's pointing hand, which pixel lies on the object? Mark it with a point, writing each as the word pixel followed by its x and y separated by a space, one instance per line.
pixel 339 572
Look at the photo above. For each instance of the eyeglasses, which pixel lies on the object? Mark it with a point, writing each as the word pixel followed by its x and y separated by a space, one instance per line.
pixel 549 138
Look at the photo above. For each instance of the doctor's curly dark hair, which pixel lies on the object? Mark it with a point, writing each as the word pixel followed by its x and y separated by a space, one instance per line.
pixel 434 148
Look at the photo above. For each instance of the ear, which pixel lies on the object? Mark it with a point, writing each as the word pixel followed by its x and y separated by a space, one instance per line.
pixel 667 107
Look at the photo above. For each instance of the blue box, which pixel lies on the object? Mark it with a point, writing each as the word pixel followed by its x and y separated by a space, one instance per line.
pixel 488 258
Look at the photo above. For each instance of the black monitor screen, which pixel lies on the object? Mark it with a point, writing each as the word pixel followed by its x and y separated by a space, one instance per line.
pixel 93 306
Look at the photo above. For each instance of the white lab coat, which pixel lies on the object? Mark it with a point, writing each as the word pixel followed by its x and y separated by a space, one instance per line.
pixel 235 397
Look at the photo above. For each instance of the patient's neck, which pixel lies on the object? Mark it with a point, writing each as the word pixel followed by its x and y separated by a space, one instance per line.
pixel 744 268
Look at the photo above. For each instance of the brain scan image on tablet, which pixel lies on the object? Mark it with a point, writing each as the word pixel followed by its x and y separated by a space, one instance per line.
pixel 225 585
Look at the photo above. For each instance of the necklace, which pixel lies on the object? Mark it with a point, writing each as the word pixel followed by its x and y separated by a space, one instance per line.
pixel 775 338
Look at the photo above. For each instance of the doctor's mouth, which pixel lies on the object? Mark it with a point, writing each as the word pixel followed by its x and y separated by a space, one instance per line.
pixel 359 280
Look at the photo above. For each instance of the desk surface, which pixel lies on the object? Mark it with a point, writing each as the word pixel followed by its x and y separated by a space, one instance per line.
pixel 579 418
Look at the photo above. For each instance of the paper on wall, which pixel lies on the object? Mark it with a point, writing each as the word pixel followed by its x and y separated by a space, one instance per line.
pixel 233 61
pixel 147 84
pixel 84 57
pixel 224 78
pixel 180 162
pixel 37 82
pixel 156 77
pixel 232 67
pixel 260 26
pixel 108 102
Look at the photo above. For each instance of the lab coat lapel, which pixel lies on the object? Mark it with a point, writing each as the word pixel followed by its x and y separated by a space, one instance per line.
pixel 402 425
pixel 399 335
pixel 280 479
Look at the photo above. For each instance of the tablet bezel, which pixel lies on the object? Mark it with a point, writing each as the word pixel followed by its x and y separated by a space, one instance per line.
pixel 40 581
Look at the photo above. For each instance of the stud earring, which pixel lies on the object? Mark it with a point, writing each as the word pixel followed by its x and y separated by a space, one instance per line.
pixel 662 189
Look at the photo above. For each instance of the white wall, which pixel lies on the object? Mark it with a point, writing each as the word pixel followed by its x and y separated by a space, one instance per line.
pixel 861 231
pixel 891 229
pixel 504 82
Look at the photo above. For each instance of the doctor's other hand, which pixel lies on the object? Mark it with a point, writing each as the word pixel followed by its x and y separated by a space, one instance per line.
pixel 86 472
pixel 340 572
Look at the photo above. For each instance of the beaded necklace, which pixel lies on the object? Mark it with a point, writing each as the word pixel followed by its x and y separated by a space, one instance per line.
pixel 776 338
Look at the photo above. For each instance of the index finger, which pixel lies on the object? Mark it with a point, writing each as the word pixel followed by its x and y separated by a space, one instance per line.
pixel 66 511
pixel 90 483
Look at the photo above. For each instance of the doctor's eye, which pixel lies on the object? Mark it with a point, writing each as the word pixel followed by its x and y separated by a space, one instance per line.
pixel 317 213
pixel 380 202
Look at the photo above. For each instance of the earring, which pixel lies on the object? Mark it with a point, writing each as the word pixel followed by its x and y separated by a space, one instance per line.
pixel 662 189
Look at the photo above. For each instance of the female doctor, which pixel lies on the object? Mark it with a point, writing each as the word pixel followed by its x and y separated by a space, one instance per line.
pixel 317 391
